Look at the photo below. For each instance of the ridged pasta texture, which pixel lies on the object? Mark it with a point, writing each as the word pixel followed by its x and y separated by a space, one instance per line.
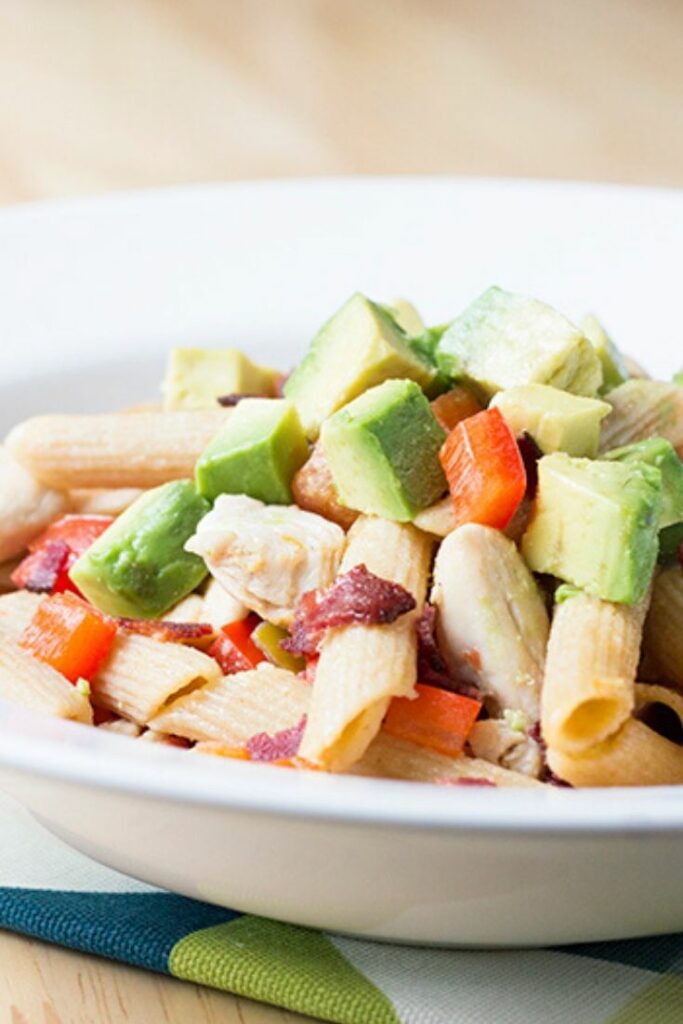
pixel 588 690
pixel 644 408
pixel 664 626
pixel 362 667
pixel 116 450
pixel 25 680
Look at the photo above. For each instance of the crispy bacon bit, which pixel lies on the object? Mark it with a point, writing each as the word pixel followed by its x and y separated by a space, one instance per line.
pixel 228 655
pixel 168 632
pixel 680 554
pixel 227 401
pixel 281 746
pixel 431 666
pixel 474 781
pixel 40 570
pixel 357 596
pixel 530 453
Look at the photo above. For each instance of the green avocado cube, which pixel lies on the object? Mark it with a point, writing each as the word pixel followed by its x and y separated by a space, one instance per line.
pixel 596 525
pixel 503 340
pixel 359 347
pixel 257 453
pixel 139 567
pixel 660 453
pixel 614 368
pixel 196 377
pixel 383 452
pixel 557 421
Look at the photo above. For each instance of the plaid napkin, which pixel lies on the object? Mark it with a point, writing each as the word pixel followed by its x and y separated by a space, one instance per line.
pixel 51 892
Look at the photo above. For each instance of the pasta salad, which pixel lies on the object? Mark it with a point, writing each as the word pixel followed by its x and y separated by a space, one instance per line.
pixel 447 554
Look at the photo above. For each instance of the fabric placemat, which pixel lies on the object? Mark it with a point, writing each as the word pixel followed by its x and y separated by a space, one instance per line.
pixel 50 892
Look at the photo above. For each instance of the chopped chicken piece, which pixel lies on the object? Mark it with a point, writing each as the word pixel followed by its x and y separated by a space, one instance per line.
pixel 267 556
pixel 492 623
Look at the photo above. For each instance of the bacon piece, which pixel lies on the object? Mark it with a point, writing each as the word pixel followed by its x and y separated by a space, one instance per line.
pixel 431 666
pixel 530 453
pixel 280 746
pixel 40 570
pixel 228 656
pixel 357 596
pixel 227 401
pixel 168 632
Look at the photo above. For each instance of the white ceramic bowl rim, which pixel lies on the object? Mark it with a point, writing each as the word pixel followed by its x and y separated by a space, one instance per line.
pixel 45 747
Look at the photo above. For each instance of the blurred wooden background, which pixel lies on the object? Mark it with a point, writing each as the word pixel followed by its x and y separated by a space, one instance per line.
pixel 109 94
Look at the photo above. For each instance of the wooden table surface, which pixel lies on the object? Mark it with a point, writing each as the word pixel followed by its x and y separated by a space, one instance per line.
pixel 112 94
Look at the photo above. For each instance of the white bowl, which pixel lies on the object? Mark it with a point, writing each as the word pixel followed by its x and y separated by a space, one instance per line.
pixel 93 292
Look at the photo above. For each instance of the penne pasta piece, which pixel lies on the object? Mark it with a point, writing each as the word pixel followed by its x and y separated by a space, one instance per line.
pixel 103 503
pixel 16 611
pixel 141 675
pixel 663 640
pixel 25 680
pixel 635 369
pixel 362 667
pixel 113 451
pixel 438 519
pixel 26 506
pixel 633 756
pixel 644 408
pixel 661 708
pixel 393 758
pixel 232 709
pixel 589 685
pixel 492 622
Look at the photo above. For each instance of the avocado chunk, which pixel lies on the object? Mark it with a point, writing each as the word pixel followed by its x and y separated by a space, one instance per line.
pixel 596 524
pixel 614 368
pixel 503 340
pixel 138 567
pixel 383 451
pixel 557 421
pixel 359 347
pixel 657 452
pixel 406 316
pixel 678 378
pixel 670 541
pixel 256 453
pixel 196 377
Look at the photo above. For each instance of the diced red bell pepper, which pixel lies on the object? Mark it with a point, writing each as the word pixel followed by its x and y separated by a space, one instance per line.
pixel 70 635
pixel 484 469
pixel 436 718
pixel 233 648
pixel 52 555
pixel 454 406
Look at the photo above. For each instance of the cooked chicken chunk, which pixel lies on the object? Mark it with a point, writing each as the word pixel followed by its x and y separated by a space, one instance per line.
pixel 267 556
pixel 26 507
pixel 492 622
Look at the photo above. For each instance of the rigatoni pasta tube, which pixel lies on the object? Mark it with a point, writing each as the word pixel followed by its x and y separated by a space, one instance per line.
pixel 25 680
pixel 664 625
pixel 141 674
pixel 588 689
pixel 114 451
pixel 644 408
pixel 232 709
pixel 362 667
pixel 634 756
pixel 393 758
